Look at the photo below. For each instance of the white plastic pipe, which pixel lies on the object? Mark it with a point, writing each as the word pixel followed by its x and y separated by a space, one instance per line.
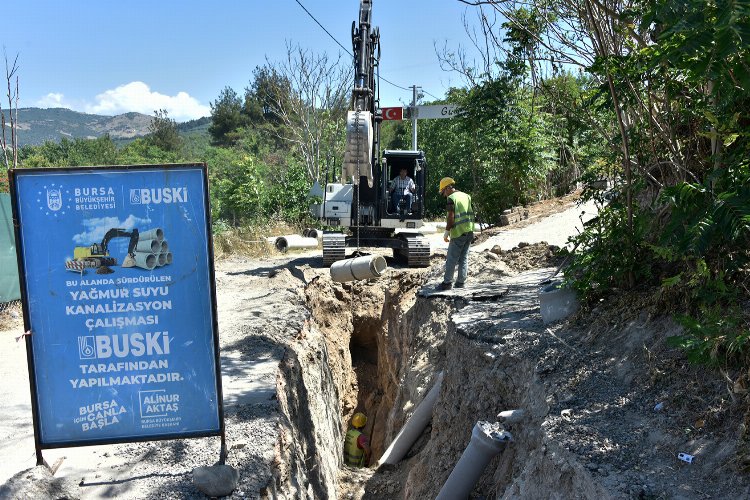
pixel 145 260
pixel 151 234
pixel 360 268
pixel 294 241
pixel 487 440
pixel 413 428
pixel 511 416
pixel 148 246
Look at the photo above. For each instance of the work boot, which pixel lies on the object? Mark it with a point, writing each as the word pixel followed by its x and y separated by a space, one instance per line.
pixel 459 285
pixel 445 286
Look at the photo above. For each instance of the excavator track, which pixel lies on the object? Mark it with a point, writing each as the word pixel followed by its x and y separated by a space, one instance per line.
pixel 417 252
pixel 334 247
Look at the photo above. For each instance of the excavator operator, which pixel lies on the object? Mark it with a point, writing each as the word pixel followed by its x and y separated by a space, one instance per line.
pixel 402 187
pixel 356 444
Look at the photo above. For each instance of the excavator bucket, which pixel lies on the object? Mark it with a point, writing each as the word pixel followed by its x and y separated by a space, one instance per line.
pixel 128 261
pixel 358 152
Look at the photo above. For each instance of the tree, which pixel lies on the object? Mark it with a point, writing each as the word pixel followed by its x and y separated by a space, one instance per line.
pixel 308 95
pixel 10 160
pixel 163 132
pixel 226 118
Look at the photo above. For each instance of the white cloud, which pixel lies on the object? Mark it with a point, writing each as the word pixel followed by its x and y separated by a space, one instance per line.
pixel 53 100
pixel 98 227
pixel 134 96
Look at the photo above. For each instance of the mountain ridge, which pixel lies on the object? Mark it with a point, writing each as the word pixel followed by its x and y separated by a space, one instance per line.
pixel 39 125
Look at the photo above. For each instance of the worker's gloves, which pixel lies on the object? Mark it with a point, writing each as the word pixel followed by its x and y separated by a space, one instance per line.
pixel 446 236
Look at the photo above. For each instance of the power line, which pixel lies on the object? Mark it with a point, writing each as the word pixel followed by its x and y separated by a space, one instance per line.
pixel 397 86
pixel 347 50
pixel 323 28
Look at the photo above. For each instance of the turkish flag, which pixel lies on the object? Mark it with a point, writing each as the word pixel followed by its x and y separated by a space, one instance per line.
pixel 394 113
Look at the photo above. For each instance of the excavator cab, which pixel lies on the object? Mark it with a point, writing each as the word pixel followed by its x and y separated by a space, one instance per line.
pixel 416 169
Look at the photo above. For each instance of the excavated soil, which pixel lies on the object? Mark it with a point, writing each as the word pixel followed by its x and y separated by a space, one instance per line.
pixel 608 403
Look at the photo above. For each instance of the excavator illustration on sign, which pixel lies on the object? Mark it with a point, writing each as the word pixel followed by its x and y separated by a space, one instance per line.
pixel 97 255
pixel 361 204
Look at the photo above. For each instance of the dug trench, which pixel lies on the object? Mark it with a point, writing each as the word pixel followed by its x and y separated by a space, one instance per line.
pixel 588 387
pixel 301 354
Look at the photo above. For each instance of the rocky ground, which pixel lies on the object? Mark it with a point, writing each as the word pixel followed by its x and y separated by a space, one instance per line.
pixel 609 404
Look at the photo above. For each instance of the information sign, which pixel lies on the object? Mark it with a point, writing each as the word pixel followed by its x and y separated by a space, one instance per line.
pixel 118 289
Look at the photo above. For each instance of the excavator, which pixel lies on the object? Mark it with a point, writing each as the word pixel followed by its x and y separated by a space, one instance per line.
pixel 97 255
pixel 360 205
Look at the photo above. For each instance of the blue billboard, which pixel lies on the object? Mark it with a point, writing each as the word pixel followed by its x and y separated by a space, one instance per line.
pixel 117 278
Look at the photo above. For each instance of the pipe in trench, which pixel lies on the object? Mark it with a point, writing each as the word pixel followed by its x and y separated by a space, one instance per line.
pixel 145 260
pixel 294 241
pixel 359 268
pixel 152 234
pixel 413 428
pixel 487 440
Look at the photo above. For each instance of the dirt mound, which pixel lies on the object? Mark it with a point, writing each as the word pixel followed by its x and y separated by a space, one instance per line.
pixel 528 256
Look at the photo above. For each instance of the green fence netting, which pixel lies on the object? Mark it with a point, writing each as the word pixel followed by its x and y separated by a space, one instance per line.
pixel 9 288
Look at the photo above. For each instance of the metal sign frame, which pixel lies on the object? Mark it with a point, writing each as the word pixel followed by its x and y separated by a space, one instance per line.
pixel 13 174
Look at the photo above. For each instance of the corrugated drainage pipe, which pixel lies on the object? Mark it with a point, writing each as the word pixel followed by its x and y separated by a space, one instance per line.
pixel 487 440
pixel 148 246
pixel 145 260
pixel 294 241
pixel 409 433
pixel 151 234
pixel 359 268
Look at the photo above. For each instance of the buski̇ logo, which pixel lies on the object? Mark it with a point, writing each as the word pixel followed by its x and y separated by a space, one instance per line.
pixel 147 196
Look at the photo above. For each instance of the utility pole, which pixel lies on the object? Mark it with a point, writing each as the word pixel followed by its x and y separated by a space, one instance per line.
pixel 414 98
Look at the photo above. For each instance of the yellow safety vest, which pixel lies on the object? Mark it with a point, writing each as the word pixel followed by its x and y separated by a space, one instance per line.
pixel 353 455
pixel 463 215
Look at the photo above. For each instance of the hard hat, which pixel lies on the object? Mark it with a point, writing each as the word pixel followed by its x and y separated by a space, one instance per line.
pixel 445 182
pixel 359 420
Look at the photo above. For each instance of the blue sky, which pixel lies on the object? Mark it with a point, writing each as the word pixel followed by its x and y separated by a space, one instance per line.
pixel 109 57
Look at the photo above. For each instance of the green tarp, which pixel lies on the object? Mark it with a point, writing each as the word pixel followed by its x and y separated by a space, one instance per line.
pixel 9 289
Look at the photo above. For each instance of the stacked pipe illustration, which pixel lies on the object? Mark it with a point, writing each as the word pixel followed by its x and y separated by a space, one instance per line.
pixel 152 249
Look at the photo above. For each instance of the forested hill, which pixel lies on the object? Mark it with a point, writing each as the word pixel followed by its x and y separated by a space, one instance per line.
pixel 37 125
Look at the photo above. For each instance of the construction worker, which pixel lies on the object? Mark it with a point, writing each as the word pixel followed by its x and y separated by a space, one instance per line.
pixel 459 230
pixel 356 444
pixel 402 187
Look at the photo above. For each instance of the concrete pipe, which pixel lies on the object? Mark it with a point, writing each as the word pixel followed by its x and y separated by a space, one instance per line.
pixel 312 233
pixel 148 246
pixel 161 259
pixel 294 241
pixel 413 428
pixel 164 246
pixel 145 260
pixel 151 234
pixel 169 258
pixel 487 440
pixel 360 268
